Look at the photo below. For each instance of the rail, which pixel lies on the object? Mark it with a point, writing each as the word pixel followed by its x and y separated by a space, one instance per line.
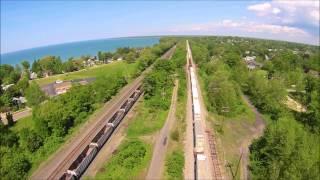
pixel 83 154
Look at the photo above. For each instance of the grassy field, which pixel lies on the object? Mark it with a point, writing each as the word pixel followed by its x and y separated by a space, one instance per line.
pixel 146 122
pixel 101 70
pixel 26 122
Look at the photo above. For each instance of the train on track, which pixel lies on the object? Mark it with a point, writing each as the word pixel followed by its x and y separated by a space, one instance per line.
pixel 78 167
pixel 198 131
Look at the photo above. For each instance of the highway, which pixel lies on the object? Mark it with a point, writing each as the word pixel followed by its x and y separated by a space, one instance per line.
pixel 59 162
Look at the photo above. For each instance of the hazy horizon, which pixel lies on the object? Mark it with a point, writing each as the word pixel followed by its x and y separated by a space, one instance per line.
pixel 32 24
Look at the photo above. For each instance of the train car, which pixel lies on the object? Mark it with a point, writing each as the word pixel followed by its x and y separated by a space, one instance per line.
pixel 196 110
pixel 102 140
pixel 199 135
pixel 120 115
pixel 82 162
pixel 86 162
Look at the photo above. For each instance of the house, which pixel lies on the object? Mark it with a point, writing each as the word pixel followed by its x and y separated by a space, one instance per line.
pixel 120 59
pixel 251 62
pixel 5 87
pixel 33 75
pixel 266 57
pixel 250 58
pixel 19 100
pixel 62 87
pixel 47 73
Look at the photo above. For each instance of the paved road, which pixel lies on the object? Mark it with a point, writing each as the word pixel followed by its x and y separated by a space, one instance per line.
pixel 156 167
pixel 17 115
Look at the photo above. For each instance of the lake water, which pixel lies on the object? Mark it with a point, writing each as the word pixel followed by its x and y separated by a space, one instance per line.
pixel 77 49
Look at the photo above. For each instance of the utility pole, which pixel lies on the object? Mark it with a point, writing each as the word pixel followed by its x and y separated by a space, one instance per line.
pixel 229 165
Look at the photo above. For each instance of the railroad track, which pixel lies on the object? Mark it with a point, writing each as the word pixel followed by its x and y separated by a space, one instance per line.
pixel 57 173
pixel 79 149
pixel 214 156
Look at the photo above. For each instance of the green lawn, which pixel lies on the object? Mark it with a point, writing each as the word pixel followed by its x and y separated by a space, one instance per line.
pixel 147 121
pixel 25 122
pixel 105 69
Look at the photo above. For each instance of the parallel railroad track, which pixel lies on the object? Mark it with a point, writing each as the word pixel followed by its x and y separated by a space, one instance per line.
pixel 60 170
pixel 88 138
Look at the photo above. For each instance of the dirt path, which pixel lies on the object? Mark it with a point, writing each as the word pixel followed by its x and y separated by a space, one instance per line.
pixel 256 132
pixel 156 167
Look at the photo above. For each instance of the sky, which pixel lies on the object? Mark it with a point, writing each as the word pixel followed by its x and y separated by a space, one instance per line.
pixel 28 24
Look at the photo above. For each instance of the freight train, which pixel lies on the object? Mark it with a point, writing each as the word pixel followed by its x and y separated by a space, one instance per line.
pixel 82 162
pixel 198 132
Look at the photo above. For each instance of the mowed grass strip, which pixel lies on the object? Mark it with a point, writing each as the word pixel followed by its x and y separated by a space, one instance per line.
pixel 96 71
pixel 25 122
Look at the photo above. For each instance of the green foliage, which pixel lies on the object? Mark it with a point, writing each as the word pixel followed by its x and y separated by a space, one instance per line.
pixel 69 66
pixel 267 95
pixel 52 122
pixel 285 151
pixel 175 164
pixel 7 137
pixel 25 65
pixel 9 74
pixel 175 135
pixel 158 84
pixel 104 56
pixel 48 64
pixel 34 94
pixel 30 140
pixel 130 157
pixel 13 165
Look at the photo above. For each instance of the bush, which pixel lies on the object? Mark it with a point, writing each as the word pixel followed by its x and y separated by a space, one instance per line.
pixel 175 135
pixel 130 157
pixel 175 164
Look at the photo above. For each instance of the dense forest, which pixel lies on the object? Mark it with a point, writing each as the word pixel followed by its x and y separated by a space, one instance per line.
pixel 23 150
pixel 289 148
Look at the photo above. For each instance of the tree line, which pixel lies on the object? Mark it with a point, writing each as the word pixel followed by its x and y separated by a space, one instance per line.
pixel 289 147
pixel 57 117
